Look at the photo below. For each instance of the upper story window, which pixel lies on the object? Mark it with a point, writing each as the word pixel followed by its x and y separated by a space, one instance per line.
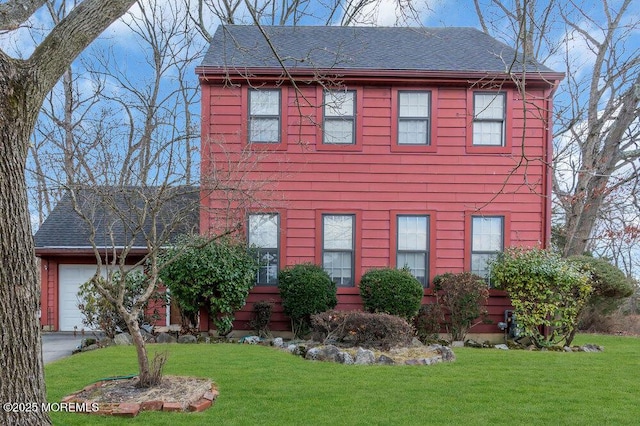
pixel 263 235
pixel 489 119
pixel 339 117
pixel 264 116
pixel 338 247
pixel 487 240
pixel 413 245
pixel 414 118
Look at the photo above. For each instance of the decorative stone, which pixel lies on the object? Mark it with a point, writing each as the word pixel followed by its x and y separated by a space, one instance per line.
pixel 416 343
pixel 445 352
pixel 105 341
pixel 567 349
pixel 278 342
pixel 187 338
pixel 344 358
pixel 328 353
pixel 251 340
pixel 293 349
pixel 123 339
pixel 385 360
pixel 165 338
pixel 457 344
pixel 589 347
pixel 364 357
pixel 502 346
pixel 312 354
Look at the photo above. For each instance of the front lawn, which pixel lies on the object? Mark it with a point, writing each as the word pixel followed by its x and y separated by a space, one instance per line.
pixel 261 385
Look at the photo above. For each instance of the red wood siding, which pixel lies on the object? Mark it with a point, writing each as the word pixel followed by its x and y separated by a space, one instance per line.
pixel 374 178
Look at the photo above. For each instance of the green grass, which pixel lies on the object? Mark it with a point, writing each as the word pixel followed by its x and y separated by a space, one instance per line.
pixel 260 385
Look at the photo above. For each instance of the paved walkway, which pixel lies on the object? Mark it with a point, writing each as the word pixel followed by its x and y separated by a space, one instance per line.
pixel 57 345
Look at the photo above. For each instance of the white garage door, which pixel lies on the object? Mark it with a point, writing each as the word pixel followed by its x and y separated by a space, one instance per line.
pixel 70 278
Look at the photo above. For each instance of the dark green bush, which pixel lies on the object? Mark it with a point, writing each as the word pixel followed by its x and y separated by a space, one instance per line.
pixel 427 322
pixel 463 296
pixel 391 291
pixel 306 289
pixel 610 287
pixel 365 329
pixel 216 275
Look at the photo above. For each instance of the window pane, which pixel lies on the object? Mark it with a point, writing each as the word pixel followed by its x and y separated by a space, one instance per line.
pixel 264 102
pixel 487 234
pixel 263 230
pixel 487 133
pixel 338 266
pixel 479 263
pixel 268 270
pixel 489 106
pixel 264 130
pixel 412 233
pixel 416 262
pixel 338 131
pixel 339 104
pixel 414 104
pixel 338 232
pixel 412 132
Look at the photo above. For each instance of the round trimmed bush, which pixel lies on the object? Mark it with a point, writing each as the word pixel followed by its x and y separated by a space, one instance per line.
pixel 306 289
pixel 391 291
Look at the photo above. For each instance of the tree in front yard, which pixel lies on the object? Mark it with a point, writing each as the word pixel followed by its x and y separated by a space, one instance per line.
pixel 23 87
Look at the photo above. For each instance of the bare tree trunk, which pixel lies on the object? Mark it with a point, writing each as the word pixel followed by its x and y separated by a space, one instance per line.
pixel 21 370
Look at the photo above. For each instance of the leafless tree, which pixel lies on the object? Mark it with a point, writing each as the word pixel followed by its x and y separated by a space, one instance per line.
pixel 596 131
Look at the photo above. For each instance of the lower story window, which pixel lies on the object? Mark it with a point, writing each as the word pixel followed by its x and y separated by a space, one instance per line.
pixel 263 236
pixel 487 240
pixel 338 247
pixel 413 248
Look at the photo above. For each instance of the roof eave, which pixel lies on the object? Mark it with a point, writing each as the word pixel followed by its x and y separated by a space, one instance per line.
pixel 276 73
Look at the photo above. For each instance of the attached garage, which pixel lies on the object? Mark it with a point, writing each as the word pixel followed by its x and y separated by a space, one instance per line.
pixel 70 278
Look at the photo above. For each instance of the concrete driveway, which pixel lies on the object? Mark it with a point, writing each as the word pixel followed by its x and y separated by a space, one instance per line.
pixel 57 345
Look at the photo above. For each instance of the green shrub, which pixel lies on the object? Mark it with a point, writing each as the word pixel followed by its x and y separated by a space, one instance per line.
pixel 366 329
pixel 216 275
pixel 545 291
pixel 100 313
pixel 610 287
pixel 306 289
pixel 427 322
pixel 463 296
pixel 391 291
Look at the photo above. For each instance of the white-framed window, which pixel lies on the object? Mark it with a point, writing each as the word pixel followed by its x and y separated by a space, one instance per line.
pixel 487 241
pixel 264 231
pixel 339 117
pixel 489 119
pixel 338 233
pixel 414 117
pixel 412 249
pixel 264 116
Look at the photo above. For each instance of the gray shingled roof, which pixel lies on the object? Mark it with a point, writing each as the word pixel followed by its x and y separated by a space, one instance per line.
pixel 65 229
pixel 363 48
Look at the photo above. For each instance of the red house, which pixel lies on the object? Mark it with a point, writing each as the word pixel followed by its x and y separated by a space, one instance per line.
pixel 366 147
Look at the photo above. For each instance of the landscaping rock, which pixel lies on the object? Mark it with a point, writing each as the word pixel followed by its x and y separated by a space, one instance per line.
pixel 105 341
pixel 344 358
pixel 278 342
pixel 364 357
pixel 502 346
pixel 187 338
pixel 123 339
pixel 591 348
pixel 416 343
pixel 327 353
pixel 312 354
pixel 251 340
pixel 444 351
pixel 567 349
pixel 385 360
pixel 165 338
pixel 293 349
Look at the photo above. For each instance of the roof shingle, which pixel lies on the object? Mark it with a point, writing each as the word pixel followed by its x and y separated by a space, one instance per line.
pixel 363 48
